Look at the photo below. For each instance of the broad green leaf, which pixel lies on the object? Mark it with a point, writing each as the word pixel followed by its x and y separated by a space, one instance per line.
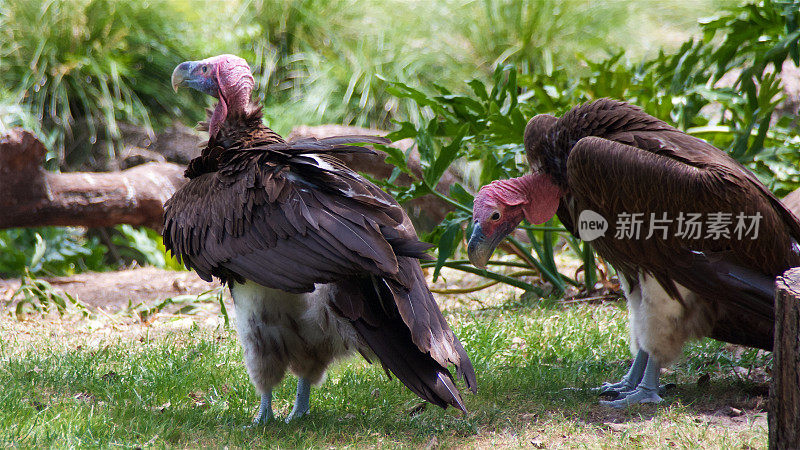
pixel 479 89
pixel 448 242
pixel 395 157
pixel 459 194
pixel 447 155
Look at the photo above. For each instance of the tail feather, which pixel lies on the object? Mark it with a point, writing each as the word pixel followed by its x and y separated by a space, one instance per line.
pixel 379 323
pixel 451 388
pixel 429 330
pixel 415 369
pixel 412 248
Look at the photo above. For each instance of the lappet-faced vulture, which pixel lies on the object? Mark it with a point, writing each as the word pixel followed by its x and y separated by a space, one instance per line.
pixel 696 239
pixel 320 262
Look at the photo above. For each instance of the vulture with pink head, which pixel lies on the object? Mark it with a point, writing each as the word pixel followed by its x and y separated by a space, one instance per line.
pixel 319 261
pixel 681 282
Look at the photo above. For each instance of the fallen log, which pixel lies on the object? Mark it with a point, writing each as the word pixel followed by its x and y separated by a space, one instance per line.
pixel 784 393
pixel 792 202
pixel 30 196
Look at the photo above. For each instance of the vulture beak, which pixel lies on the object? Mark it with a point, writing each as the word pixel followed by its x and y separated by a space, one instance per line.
pixel 478 248
pixel 182 73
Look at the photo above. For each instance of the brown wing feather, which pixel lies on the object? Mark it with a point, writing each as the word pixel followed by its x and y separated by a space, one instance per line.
pixel 256 223
pixel 699 153
pixel 418 357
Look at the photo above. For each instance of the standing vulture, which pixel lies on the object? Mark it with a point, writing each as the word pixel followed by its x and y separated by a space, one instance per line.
pixel 680 282
pixel 319 261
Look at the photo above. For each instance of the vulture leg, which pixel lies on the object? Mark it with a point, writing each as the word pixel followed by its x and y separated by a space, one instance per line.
pixel 265 409
pixel 302 401
pixel 645 392
pixel 630 380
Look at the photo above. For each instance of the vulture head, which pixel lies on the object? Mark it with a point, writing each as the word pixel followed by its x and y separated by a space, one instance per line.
pixel 502 204
pixel 225 77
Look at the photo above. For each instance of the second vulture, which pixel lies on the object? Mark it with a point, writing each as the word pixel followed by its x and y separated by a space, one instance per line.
pixel 696 239
pixel 320 262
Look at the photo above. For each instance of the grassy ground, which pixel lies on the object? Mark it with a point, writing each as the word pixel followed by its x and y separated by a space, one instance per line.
pixel 180 381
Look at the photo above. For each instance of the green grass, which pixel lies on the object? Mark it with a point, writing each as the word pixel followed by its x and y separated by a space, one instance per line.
pixel 97 383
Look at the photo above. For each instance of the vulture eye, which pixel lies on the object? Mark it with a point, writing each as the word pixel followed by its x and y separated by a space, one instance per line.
pixel 204 69
pixel 496 215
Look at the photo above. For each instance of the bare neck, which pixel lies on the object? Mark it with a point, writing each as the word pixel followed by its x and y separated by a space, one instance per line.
pixel 234 102
pixel 537 195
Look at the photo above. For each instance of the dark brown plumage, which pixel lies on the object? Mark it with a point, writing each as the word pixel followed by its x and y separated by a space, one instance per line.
pixel 287 223
pixel 612 158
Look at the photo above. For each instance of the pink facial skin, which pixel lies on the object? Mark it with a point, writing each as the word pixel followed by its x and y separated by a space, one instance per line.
pixel 501 205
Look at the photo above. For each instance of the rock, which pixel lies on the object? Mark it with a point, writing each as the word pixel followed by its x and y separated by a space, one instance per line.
pixel 179 143
pixel 135 156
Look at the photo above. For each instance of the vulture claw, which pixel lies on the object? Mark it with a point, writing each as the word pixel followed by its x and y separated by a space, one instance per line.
pixel 637 396
pixel 646 391
pixel 629 381
pixel 294 416
pixel 264 411
pixel 614 390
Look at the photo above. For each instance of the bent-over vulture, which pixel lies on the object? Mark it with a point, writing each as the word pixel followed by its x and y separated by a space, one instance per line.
pixel 320 262
pixel 612 158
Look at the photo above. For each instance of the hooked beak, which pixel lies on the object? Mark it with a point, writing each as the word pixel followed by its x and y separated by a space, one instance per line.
pixel 479 249
pixel 181 74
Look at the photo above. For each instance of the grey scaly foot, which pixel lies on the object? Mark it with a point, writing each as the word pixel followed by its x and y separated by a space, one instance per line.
pixel 626 391
pixel 615 389
pixel 646 392
pixel 637 396
pixel 302 400
pixel 629 381
pixel 264 409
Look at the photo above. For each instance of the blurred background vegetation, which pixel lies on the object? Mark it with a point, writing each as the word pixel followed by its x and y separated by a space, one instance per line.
pixel 74 69
pixel 459 76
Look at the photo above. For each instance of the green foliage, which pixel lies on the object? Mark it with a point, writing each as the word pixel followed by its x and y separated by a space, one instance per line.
pixel 325 60
pixel 537 36
pixel 12 115
pixel 55 251
pixel 143 245
pixel 38 296
pixel 90 63
pixel 80 66
pixel 48 251
pixel 745 46
pixel 186 305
